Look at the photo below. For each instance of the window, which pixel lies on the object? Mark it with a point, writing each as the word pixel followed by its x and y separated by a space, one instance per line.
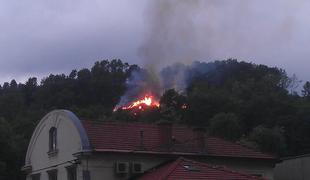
pixel 52 175
pixel 52 139
pixel 71 172
pixel 35 177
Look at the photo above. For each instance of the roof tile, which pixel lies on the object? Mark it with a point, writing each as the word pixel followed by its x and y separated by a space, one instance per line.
pixel 125 137
pixel 193 170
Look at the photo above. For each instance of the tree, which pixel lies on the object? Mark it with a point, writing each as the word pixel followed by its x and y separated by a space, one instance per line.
pixel 269 140
pixel 230 98
pixel 13 84
pixel 225 125
pixel 306 90
pixel 173 106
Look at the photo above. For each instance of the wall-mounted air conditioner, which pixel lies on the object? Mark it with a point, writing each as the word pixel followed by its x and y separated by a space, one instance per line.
pixel 121 167
pixel 136 167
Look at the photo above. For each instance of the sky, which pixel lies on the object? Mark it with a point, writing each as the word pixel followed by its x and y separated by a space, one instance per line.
pixel 40 37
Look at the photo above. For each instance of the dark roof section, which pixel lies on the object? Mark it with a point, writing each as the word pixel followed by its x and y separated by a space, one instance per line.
pixel 125 137
pixel 192 170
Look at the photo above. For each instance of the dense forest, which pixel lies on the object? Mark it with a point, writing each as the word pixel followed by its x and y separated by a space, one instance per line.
pixel 255 105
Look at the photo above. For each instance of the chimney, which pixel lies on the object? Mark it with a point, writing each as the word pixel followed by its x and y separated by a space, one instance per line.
pixel 200 137
pixel 165 133
pixel 142 140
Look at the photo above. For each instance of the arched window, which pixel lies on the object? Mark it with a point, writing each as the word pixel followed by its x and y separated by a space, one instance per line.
pixel 53 139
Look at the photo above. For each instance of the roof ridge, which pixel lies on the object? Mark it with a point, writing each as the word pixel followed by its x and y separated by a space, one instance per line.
pixel 171 168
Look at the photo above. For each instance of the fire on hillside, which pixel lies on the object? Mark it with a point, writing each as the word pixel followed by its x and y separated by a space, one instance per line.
pixel 145 102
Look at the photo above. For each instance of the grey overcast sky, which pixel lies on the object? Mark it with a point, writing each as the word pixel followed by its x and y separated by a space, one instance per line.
pixel 40 37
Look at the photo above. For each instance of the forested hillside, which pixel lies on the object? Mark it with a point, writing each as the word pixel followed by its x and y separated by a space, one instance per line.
pixel 238 101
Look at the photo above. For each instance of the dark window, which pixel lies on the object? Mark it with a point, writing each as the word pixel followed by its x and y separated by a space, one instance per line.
pixel 71 172
pixel 35 177
pixel 52 175
pixel 53 139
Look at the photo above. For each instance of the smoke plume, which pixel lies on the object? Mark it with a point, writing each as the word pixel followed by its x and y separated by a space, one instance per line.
pixel 171 36
pixel 184 31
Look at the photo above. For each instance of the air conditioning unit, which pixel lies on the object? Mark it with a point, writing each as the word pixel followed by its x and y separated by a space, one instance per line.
pixel 136 167
pixel 121 167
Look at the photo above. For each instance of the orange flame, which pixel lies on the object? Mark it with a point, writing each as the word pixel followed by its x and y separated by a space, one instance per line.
pixel 146 101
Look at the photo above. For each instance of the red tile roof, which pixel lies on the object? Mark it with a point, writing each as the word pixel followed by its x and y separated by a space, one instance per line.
pixel 125 137
pixel 191 170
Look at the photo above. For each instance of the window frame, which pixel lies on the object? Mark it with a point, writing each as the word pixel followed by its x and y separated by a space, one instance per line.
pixel 52 142
pixel 52 139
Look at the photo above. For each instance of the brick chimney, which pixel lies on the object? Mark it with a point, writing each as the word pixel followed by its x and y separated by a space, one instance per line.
pixel 200 137
pixel 165 132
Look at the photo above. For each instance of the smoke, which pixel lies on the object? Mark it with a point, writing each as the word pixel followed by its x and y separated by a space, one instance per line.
pixel 184 31
pixel 189 30
pixel 141 82
pixel 171 35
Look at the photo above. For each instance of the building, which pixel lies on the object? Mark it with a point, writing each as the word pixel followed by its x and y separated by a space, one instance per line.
pixel 293 168
pixel 64 147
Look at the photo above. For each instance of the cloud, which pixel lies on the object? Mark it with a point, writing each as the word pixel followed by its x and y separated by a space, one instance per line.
pixel 53 36
pixel 43 37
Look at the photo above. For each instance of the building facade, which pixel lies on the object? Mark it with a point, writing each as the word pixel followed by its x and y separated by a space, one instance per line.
pixel 64 147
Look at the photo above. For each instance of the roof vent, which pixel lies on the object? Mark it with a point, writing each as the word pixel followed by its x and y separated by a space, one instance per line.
pixel 190 168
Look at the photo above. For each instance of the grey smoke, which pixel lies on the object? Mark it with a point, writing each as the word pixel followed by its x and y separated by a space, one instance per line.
pixel 171 36
pixel 182 31
pixel 188 30
pixel 141 82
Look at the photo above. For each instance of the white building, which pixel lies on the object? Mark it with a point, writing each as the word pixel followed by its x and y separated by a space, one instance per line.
pixel 64 147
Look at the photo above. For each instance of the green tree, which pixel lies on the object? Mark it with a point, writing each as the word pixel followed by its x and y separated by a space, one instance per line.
pixel 225 125
pixel 173 106
pixel 306 89
pixel 269 140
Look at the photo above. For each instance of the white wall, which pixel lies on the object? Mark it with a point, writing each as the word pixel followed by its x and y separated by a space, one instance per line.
pixel 103 166
pixel 68 143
